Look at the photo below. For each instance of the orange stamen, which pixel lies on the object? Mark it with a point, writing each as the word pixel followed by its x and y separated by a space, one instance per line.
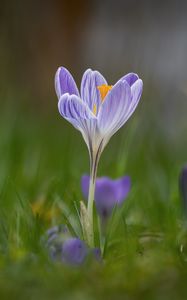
pixel 104 89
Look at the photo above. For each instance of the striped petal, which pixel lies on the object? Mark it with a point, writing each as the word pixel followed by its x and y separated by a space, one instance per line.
pixel 64 83
pixel 130 78
pixel 136 92
pixel 89 89
pixel 114 110
pixel 74 110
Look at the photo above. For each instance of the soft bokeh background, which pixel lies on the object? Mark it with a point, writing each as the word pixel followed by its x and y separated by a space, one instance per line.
pixel 42 157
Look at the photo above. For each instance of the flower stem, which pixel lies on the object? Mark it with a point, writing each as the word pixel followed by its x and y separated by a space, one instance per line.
pixel 95 155
pixel 93 172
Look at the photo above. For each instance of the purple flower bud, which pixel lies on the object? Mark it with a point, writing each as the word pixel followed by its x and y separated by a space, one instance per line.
pixel 183 186
pixel 74 251
pixel 108 193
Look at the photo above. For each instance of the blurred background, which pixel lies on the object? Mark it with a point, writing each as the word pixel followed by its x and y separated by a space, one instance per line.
pixel 42 157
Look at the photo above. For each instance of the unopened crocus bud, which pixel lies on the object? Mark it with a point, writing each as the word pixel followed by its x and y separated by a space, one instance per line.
pixel 183 186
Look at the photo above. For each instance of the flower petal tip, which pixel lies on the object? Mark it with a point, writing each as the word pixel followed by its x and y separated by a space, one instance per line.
pixel 64 83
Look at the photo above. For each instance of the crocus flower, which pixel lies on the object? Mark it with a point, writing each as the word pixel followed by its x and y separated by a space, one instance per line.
pixel 183 186
pixel 108 193
pixel 67 249
pixel 74 251
pixel 98 111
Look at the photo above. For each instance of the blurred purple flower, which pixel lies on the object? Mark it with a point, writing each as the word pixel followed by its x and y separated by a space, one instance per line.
pixel 70 250
pixel 108 192
pixel 183 186
pixel 74 251
pixel 99 110
pixel 56 234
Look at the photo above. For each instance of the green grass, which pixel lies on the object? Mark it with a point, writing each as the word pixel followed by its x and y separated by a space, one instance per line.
pixel 42 156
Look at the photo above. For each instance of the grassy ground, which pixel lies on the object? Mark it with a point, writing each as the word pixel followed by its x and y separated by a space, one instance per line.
pixel 42 158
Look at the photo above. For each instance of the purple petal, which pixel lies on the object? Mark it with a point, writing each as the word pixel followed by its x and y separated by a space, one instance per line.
pixel 64 83
pixel 114 110
pixel 74 110
pixel 108 192
pixel 136 92
pixel 105 194
pixel 130 78
pixel 89 88
pixel 122 187
pixel 74 251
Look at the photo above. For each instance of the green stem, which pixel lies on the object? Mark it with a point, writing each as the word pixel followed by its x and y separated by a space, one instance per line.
pixel 95 155
pixel 93 171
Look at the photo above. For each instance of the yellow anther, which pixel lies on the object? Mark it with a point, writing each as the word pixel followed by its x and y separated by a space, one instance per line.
pixel 104 89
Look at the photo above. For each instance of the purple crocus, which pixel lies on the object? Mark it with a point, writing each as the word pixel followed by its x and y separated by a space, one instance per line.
pixel 67 249
pixel 98 112
pixel 183 186
pixel 108 193
pixel 74 251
